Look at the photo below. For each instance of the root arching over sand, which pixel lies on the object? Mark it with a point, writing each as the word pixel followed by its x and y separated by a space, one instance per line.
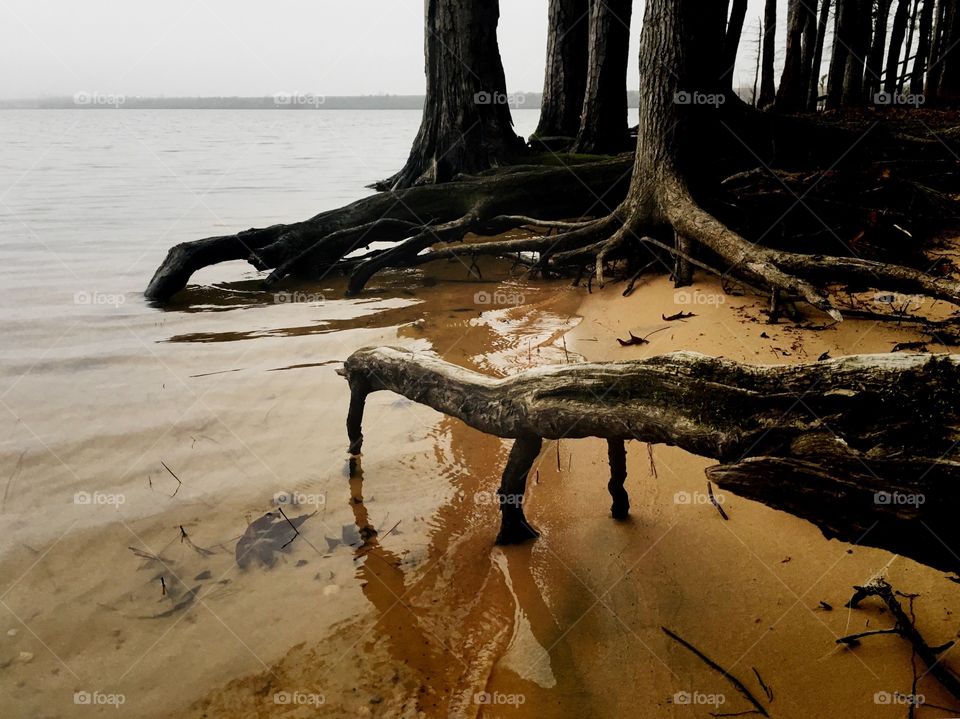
pixel 862 446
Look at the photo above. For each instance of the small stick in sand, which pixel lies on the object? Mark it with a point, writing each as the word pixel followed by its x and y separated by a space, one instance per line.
pixel 714 502
pixel 179 483
pixel 737 684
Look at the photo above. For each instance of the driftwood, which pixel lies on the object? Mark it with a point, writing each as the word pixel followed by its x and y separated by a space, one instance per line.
pixel 865 446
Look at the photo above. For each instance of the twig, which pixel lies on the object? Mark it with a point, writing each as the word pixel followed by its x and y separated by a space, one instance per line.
pixel 737 684
pixel 906 628
pixel 179 483
pixel 653 465
pixel 763 685
pixel 296 532
pixel 713 500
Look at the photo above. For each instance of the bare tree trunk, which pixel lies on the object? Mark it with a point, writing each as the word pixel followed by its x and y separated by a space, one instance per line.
pixel 466 126
pixel 911 28
pixel 840 53
pixel 603 122
pixel 792 94
pixel 924 31
pixel 949 90
pixel 731 46
pixel 898 32
pixel 935 62
pixel 565 83
pixel 813 95
pixel 874 78
pixel 856 33
pixel 755 100
pixel 768 90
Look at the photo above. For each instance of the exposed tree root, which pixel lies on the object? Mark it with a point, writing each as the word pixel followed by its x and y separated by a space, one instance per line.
pixel 495 201
pixel 904 626
pixel 862 446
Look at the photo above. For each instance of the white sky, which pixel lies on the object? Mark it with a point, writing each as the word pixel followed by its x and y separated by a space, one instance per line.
pixel 257 48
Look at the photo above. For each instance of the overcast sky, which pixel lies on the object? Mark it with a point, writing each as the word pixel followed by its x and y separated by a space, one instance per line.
pixel 256 48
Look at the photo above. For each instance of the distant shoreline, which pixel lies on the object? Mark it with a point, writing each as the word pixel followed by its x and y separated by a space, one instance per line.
pixel 282 101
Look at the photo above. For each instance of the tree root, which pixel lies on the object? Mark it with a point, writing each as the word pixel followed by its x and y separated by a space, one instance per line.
pixel 495 201
pixel 869 455
pixel 904 626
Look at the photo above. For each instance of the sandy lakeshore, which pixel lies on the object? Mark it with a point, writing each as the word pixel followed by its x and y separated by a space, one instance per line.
pixel 428 618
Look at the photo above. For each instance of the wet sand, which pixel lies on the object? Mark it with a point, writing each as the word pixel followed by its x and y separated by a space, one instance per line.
pixel 426 617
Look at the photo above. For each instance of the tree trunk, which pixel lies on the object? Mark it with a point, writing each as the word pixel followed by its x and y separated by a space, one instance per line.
pixel 603 122
pixel 924 32
pixel 898 32
pixel 856 33
pixel 813 96
pixel 935 64
pixel 768 90
pixel 731 46
pixel 838 57
pixel 949 90
pixel 869 455
pixel 873 78
pixel 911 29
pixel 466 126
pixel 791 96
pixel 565 83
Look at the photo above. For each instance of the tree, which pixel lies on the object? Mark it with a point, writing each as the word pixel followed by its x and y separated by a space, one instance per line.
pixel 813 95
pixel 874 74
pixel 565 83
pixel 898 32
pixel 603 120
pixel 935 64
pixel 949 89
pixel 794 82
pixel 466 125
pixel 768 90
pixel 731 46
pixel 855 32
pixel 924 32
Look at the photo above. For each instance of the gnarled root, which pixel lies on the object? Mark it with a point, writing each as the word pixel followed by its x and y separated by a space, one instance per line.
pixel 870 454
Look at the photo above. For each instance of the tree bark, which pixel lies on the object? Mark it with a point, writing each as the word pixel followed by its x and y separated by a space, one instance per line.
pixel 791 95
pixel 731 46
pixel 898 32
pixel 466 125
pixel 603 121
pixel 813 95
pixel 949 90
pixel 934 64
pixel 870 454
pixel 768 90
pixel 874 75
pixel 856 33
pixel 924 31
pixel 565 83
